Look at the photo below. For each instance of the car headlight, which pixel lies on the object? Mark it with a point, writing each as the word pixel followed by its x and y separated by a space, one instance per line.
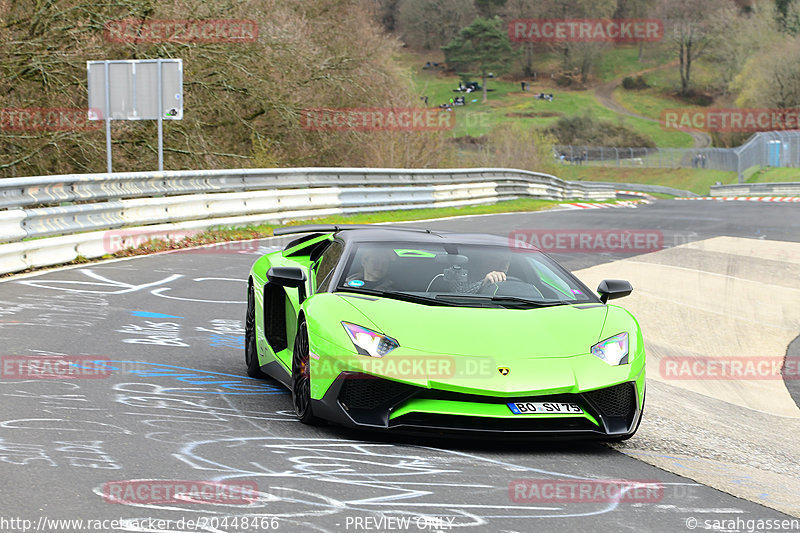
pixel 614 350
pixel 368 342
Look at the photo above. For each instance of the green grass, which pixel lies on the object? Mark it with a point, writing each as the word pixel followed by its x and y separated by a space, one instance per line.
pixel 507 103
pixel 696 180
pixel 522 204
pixel 668 79
pixel 662 94
pixel 222 234
pixel 772 175
pixel 477 118
pixel 623 61
pixel 649 102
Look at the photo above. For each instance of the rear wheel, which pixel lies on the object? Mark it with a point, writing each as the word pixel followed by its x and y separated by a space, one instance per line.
pixel 250 349
pixel 301 376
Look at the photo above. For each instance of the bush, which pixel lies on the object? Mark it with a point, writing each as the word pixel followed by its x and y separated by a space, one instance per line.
pixel 563 80
pixel 634 84
pixel 586 131
pixel 703 100
pixel 513 145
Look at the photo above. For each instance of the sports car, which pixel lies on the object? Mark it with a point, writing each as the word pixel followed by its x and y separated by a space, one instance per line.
pixel 415 330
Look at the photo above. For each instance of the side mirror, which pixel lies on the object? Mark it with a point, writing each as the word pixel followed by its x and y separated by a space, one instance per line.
pixel 293 277
pixel 613 288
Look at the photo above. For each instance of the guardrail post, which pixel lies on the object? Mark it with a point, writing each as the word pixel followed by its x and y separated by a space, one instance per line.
pixel 108 120
pixel 739 167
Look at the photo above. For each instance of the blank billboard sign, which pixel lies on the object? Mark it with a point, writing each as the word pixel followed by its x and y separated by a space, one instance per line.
pixel 133 89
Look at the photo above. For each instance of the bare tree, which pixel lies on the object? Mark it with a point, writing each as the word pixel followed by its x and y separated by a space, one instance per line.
pixel 736 36
pixel 790 19
pixel 688 25
pixel 771 78
pixel 524 9
pixel 634 9
pixel 429 24
pixel 575 55
pixel 385 12
pixel 489 8
pixel 243 100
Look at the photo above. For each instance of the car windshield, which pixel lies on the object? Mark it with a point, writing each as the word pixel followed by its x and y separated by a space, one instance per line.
pixel 469 275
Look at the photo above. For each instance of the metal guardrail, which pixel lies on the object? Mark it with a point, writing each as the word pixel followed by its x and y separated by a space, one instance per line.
pixel 757 189
pixel 49 190
pixel 64 213
pixel 639 187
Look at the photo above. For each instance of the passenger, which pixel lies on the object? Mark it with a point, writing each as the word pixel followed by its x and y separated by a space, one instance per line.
pixel 375 264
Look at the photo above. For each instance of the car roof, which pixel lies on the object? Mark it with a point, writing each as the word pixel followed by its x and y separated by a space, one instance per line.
pixel 392 233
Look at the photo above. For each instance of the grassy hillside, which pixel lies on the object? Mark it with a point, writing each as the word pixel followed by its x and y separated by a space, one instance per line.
pixel 695 180
pixel 623 60
pixel 772 175
pixel 508 103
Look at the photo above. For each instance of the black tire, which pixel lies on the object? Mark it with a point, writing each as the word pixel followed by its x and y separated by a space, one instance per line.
pixel 301 377
pixel 250 349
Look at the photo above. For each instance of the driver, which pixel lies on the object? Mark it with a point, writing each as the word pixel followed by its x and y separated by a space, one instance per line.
pixel 498 268
pixel 498 274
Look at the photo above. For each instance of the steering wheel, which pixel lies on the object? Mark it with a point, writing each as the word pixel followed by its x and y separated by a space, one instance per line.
pixel 512 286
pixel 508 278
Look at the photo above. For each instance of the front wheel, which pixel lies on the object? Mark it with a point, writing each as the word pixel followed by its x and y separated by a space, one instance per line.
pixel 250 349
pixel 301 376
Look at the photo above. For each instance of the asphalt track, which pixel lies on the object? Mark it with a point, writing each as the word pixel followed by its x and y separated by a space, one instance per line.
pixel 177 405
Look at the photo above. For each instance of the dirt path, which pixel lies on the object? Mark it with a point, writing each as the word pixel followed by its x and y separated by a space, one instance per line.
pixel 605 96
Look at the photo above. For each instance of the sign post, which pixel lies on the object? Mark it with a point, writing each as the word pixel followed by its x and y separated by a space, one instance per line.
pixel 145 89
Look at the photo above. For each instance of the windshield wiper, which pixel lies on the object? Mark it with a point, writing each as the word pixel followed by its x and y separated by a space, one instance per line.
pixel 503 300
pixel 397 295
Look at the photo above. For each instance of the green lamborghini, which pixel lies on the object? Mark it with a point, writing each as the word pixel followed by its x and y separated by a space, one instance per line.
pixel 415 330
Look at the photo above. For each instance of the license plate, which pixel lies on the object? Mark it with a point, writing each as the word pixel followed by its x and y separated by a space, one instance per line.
pixel 539 408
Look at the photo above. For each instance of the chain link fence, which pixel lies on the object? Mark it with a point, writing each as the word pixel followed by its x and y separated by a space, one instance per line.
pixel 764 149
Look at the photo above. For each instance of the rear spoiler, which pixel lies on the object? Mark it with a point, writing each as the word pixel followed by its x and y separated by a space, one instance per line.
pixel 333 228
